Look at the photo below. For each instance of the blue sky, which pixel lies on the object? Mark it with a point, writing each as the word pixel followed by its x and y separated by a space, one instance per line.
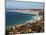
pixel 23 5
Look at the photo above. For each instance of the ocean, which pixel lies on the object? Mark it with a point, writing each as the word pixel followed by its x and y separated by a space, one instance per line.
pixel 14 18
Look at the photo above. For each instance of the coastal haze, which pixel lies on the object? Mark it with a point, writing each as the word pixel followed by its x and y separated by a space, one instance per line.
pixel 23 5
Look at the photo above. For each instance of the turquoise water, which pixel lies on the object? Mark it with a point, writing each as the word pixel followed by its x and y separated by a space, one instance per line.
pixel 13 18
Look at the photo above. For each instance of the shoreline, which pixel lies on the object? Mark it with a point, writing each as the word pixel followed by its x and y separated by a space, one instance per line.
pixel 29 21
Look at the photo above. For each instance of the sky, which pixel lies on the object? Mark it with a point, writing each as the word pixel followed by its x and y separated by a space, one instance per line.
pixel 23 5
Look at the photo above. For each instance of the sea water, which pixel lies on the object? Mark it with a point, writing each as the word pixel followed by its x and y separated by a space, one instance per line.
pixel 14 18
